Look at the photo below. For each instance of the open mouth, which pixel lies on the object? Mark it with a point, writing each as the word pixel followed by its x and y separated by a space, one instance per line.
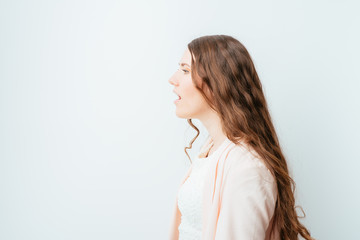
pixel 176 100
pixel 177 95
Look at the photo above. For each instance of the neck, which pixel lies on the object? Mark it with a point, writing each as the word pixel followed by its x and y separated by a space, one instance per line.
pixel 213 125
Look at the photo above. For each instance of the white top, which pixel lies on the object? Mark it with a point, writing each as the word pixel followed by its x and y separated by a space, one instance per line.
pixel 239 197
pixel 190 196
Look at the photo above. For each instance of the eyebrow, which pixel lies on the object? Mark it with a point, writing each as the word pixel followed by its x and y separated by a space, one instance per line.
pixel 182 64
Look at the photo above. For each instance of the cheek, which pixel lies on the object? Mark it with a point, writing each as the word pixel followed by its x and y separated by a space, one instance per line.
pixel 194 100
pixel 189 88
pixel 191 96
pixel 190 93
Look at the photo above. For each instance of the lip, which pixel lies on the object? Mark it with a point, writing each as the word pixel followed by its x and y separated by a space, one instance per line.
pixel 178 95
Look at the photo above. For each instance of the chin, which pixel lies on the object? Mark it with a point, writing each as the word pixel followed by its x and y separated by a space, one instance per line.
pixel 182 115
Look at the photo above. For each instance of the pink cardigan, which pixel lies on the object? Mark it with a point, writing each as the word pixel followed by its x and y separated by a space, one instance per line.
pixel 239 196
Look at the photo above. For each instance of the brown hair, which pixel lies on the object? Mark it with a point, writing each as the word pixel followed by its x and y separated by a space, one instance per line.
pixel 224 73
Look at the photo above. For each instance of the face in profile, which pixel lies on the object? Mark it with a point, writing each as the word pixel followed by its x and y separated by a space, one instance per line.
pixel 190 103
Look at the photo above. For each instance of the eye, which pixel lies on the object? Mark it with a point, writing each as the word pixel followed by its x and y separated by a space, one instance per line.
pixel 186 71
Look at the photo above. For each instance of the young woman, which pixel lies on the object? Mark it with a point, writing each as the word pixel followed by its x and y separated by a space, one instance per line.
pixel 238 187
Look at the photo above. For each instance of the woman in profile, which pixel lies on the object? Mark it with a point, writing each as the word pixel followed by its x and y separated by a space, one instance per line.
pixel 238 187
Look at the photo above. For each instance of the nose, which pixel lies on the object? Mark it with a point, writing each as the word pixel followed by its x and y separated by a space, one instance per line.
pixel 172 80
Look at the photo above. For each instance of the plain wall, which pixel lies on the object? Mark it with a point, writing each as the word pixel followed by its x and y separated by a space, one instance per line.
pixel 90 146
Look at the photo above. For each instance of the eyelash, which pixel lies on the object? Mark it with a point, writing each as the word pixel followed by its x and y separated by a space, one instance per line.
pixel 186 71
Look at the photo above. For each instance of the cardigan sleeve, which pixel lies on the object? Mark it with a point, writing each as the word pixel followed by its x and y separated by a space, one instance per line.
pixel 247 202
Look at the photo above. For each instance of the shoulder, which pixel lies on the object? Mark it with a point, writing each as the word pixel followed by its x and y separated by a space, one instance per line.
pixel 248 195
pixel 243 161
pixel 245 174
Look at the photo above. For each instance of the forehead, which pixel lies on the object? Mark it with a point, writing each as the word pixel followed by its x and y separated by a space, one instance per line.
pixel 186 57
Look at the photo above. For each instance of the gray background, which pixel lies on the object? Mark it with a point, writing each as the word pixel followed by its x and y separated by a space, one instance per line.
pixel 90 146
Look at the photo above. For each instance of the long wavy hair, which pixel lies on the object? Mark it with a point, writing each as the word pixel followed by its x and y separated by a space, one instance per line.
pixel 224 73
